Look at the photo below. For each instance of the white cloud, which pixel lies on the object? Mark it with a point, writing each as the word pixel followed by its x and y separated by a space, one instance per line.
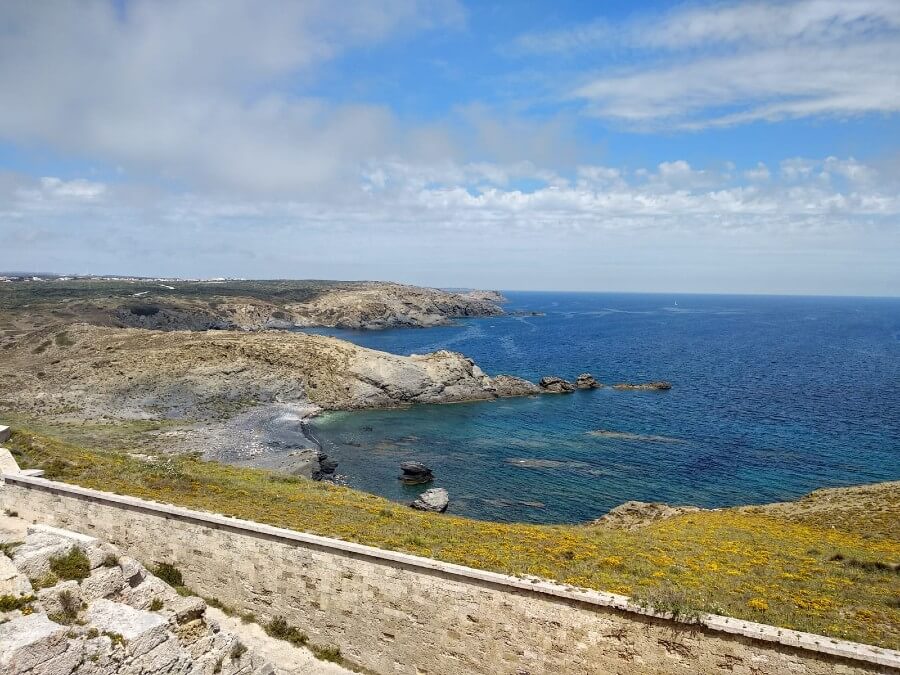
pixel 731 64
pixel 202 92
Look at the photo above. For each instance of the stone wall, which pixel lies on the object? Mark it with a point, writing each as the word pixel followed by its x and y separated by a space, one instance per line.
pixel 395 613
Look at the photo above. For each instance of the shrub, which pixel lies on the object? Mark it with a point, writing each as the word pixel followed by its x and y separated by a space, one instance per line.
pixel 111 560
pixel 10 603
pixel 156 604
pixel 69 605
pixel 169 573
pixel 327 653
pixel 279 628
pixel 74 565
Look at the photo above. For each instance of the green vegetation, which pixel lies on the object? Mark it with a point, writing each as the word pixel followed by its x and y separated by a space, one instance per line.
pixel 156 604
pixel 10 603
pixel 69 605
pixel 111 560
pixel 744 563
pixel 281 629
pixel 169 573
pixel 74 565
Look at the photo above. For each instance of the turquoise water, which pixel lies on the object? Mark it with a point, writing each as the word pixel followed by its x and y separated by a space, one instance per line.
pixel 772 397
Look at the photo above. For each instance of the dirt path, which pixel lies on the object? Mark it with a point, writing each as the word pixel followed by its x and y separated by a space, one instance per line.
pixel 284 657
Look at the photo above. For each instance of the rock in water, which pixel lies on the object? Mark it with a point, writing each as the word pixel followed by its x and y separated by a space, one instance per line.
pixel 556 385
pixel 587 381
pixel 659 385
pixel 415 473
pixel 435 500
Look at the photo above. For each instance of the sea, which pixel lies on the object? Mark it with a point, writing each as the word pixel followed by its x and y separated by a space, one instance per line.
pixel 772 397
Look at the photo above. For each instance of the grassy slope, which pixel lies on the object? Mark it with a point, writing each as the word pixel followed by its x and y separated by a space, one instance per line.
pixel 802 575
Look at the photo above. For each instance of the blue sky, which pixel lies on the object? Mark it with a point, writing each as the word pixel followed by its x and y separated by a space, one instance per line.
pixel 641 146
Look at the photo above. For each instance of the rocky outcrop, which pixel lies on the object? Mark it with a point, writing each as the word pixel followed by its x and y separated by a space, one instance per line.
pixel 377 306
pixel 659 385
pixel 113 618
pixel 587 381
pixel 556 385
pixel 634 514
pixel 139 374
pixel 415 473
pixel 435 500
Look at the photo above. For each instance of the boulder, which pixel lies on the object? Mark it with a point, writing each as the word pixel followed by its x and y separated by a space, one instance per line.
pixel 435 500
pixel 415 473
pixel 587 381
pixel 556 385
pixel 507 386
pixel 103 583
pixel 659 385
pixel 5 433
pixel 11 581
pixel 27 642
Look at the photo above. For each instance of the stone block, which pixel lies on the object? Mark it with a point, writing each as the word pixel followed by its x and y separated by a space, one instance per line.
pixel 186 609
pixel 11 581
pixel 28 641
pixel 150 589
pixel 132 571
pixel 51 599
pixel 33 557
pixel 8 464
pixel 5 433
pixel 103 582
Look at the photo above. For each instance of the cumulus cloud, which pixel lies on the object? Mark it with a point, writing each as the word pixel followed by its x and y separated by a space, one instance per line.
pixel 722 65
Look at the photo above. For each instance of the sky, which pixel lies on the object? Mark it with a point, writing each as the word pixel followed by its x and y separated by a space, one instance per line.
pixel 606 145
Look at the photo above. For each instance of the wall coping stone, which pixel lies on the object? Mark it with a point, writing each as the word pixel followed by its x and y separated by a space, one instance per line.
pixel 790 638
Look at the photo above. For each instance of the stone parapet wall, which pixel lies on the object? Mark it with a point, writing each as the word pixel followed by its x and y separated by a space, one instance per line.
pixel 396 613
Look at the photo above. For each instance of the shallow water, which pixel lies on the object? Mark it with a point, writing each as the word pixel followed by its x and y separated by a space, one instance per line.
pixel 773 397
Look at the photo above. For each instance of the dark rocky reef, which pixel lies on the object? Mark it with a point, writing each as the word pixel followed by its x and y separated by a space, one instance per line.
pixel 659 385
pixel 587 381
pixel 415 473
pixel 556 385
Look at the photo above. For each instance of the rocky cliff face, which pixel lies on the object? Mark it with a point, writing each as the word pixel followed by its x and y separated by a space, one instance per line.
pixel 137 374
pixel 363 306
pixel 383 305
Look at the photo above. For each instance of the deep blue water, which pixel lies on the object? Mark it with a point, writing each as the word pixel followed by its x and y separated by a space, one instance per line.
pixel 773 397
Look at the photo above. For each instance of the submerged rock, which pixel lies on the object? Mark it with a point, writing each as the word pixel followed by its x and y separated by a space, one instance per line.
pixel 556 385
pixel 659 385
pixel 587 381
pixel 415 473
pixel 436 500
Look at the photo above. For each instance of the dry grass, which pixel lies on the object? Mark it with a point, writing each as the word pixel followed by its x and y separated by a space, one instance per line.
pixel 746 564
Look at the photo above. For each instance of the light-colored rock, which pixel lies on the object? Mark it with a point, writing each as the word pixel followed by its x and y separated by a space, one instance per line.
pixel 32 558
pixel 143 594
pixel 143 631
pixel 436 500
pixel 61 598
pixel 5 433
pixel 8 463
pixel 132 571
pixel 28 641
pixel 84 540
pixel 12 582
pixel 186 609
pixel 102 583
